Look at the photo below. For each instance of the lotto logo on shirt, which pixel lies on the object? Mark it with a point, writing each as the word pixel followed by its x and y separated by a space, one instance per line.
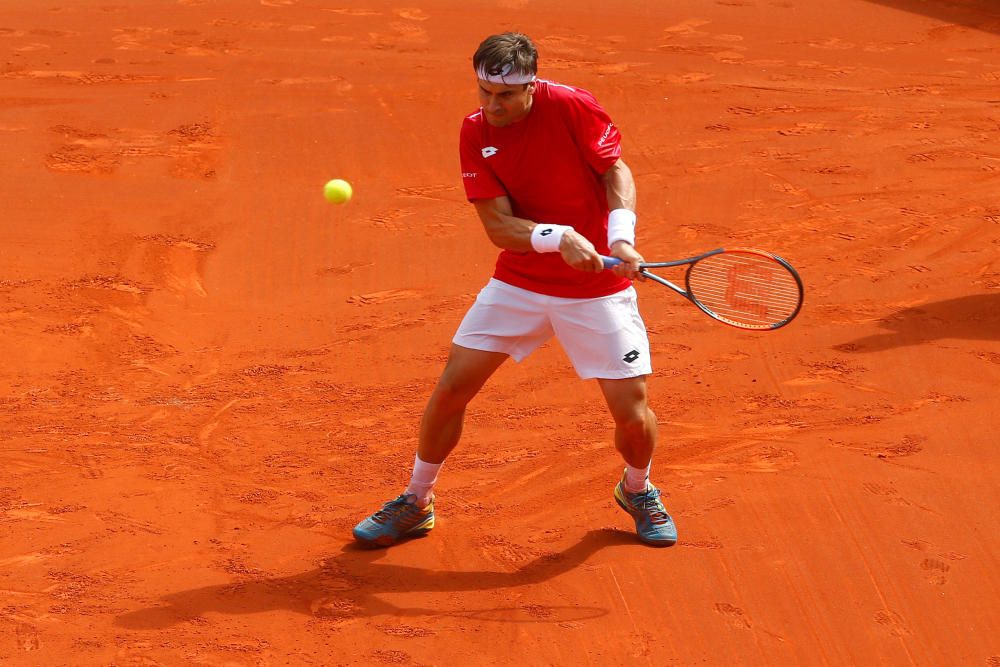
pixel 469 174
pixel 489 151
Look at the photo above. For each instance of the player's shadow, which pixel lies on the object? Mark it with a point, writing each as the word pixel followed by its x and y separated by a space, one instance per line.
pixel 350 584
pixel 975 317
pixel 977 14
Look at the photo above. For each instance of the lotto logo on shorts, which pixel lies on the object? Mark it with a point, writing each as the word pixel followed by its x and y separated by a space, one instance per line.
pixel 631 356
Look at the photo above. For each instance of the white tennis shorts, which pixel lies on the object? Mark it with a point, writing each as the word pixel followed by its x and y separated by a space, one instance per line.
pixel 604 337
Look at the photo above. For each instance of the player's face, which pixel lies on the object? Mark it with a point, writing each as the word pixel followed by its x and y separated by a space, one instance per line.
pixel 503 104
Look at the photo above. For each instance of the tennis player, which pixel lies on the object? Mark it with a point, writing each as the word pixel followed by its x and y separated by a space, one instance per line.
pixel 541 163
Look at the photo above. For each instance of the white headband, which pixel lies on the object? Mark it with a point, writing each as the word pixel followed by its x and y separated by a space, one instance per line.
pixel 505 76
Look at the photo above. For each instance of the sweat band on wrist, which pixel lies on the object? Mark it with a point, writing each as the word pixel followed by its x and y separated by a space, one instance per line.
pixel 546 238
pixel 621 226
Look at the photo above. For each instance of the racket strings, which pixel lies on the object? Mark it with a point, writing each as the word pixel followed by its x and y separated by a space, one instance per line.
pixel 749 290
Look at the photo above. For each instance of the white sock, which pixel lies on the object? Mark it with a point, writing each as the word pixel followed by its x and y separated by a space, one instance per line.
pixel 423 479
pixel 636 479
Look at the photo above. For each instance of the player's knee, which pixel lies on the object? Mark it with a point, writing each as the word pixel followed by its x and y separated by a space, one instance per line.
pixel 452 394
pixel 634 423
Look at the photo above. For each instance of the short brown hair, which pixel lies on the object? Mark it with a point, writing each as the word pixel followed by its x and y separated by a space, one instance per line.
pixel 506 53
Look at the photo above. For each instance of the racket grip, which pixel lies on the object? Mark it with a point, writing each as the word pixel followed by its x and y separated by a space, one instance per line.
pixel 610 262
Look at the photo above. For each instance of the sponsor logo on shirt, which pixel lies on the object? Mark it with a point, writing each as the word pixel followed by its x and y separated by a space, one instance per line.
pixel 469 174
pixel 490 151
pixel 607 133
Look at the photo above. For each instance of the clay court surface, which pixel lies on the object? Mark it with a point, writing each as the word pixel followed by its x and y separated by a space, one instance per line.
pixel 209 374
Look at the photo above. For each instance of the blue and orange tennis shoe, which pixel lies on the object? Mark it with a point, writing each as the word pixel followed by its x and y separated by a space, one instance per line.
pixel 652 522
pixel 397 519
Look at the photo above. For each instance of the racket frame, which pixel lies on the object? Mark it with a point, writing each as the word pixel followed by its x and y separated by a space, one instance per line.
pixel 686 291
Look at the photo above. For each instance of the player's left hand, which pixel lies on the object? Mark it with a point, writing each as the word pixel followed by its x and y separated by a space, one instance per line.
pixel 580 253
pixel 630 257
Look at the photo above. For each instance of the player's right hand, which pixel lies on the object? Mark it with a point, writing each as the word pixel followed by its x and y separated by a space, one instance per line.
pixel 631 259
pixel 580 253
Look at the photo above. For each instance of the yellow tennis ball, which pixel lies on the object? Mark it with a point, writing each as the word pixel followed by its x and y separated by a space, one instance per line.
pixel 337 191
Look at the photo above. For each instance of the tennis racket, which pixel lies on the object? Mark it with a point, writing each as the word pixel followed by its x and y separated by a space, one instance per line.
pixel 744 288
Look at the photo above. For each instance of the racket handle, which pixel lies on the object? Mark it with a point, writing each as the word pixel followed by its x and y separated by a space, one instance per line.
pixel 610 262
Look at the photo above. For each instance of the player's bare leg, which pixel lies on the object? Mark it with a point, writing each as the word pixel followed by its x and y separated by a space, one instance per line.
pixel 635 439
pixel 464 375
pixel 412 513
pixel 635 423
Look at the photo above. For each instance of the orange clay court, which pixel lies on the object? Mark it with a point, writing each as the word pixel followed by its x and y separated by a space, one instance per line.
pixel 210 374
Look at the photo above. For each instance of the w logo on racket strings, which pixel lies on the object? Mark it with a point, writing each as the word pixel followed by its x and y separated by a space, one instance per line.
pixel 631 356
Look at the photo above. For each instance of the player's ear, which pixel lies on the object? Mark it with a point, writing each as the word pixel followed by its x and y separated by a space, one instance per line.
pixel 530 87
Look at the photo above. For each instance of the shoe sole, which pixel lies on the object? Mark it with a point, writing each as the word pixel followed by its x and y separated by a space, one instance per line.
pixel 644 540
pixel 387 540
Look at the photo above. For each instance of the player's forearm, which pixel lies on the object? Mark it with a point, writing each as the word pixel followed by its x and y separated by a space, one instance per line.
pixel 620 186
pixel 509 232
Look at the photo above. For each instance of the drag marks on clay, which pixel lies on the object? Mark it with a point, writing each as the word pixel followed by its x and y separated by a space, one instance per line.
pixel 889 493
pixel 936 571
pixel 713 505
pixel 460 505
pixel 734 616
pixel 118 522
pixel 411 13
pixel 892 622
pixel 73 592
pixel 500 550
pixel 831 44
pixel 708 545
pixel 351 12
pixel 76 77
pixel 26 636
pixel 344 269
pixel 259 496
pixel 178 262
pixel 391 656
pixel 935 563
pixel 89 465
pixel 692 77
pixel 402 37
pixel 763 110
pixel 474 460
pixel 805 129
pixel 908 445
pixel 387 218
pixel 738 619
pixel 22 560
pixel 989 357
pixel 830 370
pixel 192 150
pixel 432 192
pixel 27 103
pixel 384 296
pixel 337 83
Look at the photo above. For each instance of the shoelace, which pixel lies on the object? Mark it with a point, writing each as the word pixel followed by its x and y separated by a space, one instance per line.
pixel 392 509
pixel 650 502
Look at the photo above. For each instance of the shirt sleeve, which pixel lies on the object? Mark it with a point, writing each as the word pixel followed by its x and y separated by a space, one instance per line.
pixel 479 180
pixel 595 133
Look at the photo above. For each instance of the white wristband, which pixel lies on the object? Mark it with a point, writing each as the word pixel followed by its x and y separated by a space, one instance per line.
pixel 621 226
pixel 546 238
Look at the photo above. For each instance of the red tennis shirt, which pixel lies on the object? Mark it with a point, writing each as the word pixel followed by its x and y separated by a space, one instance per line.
pixel 550 164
